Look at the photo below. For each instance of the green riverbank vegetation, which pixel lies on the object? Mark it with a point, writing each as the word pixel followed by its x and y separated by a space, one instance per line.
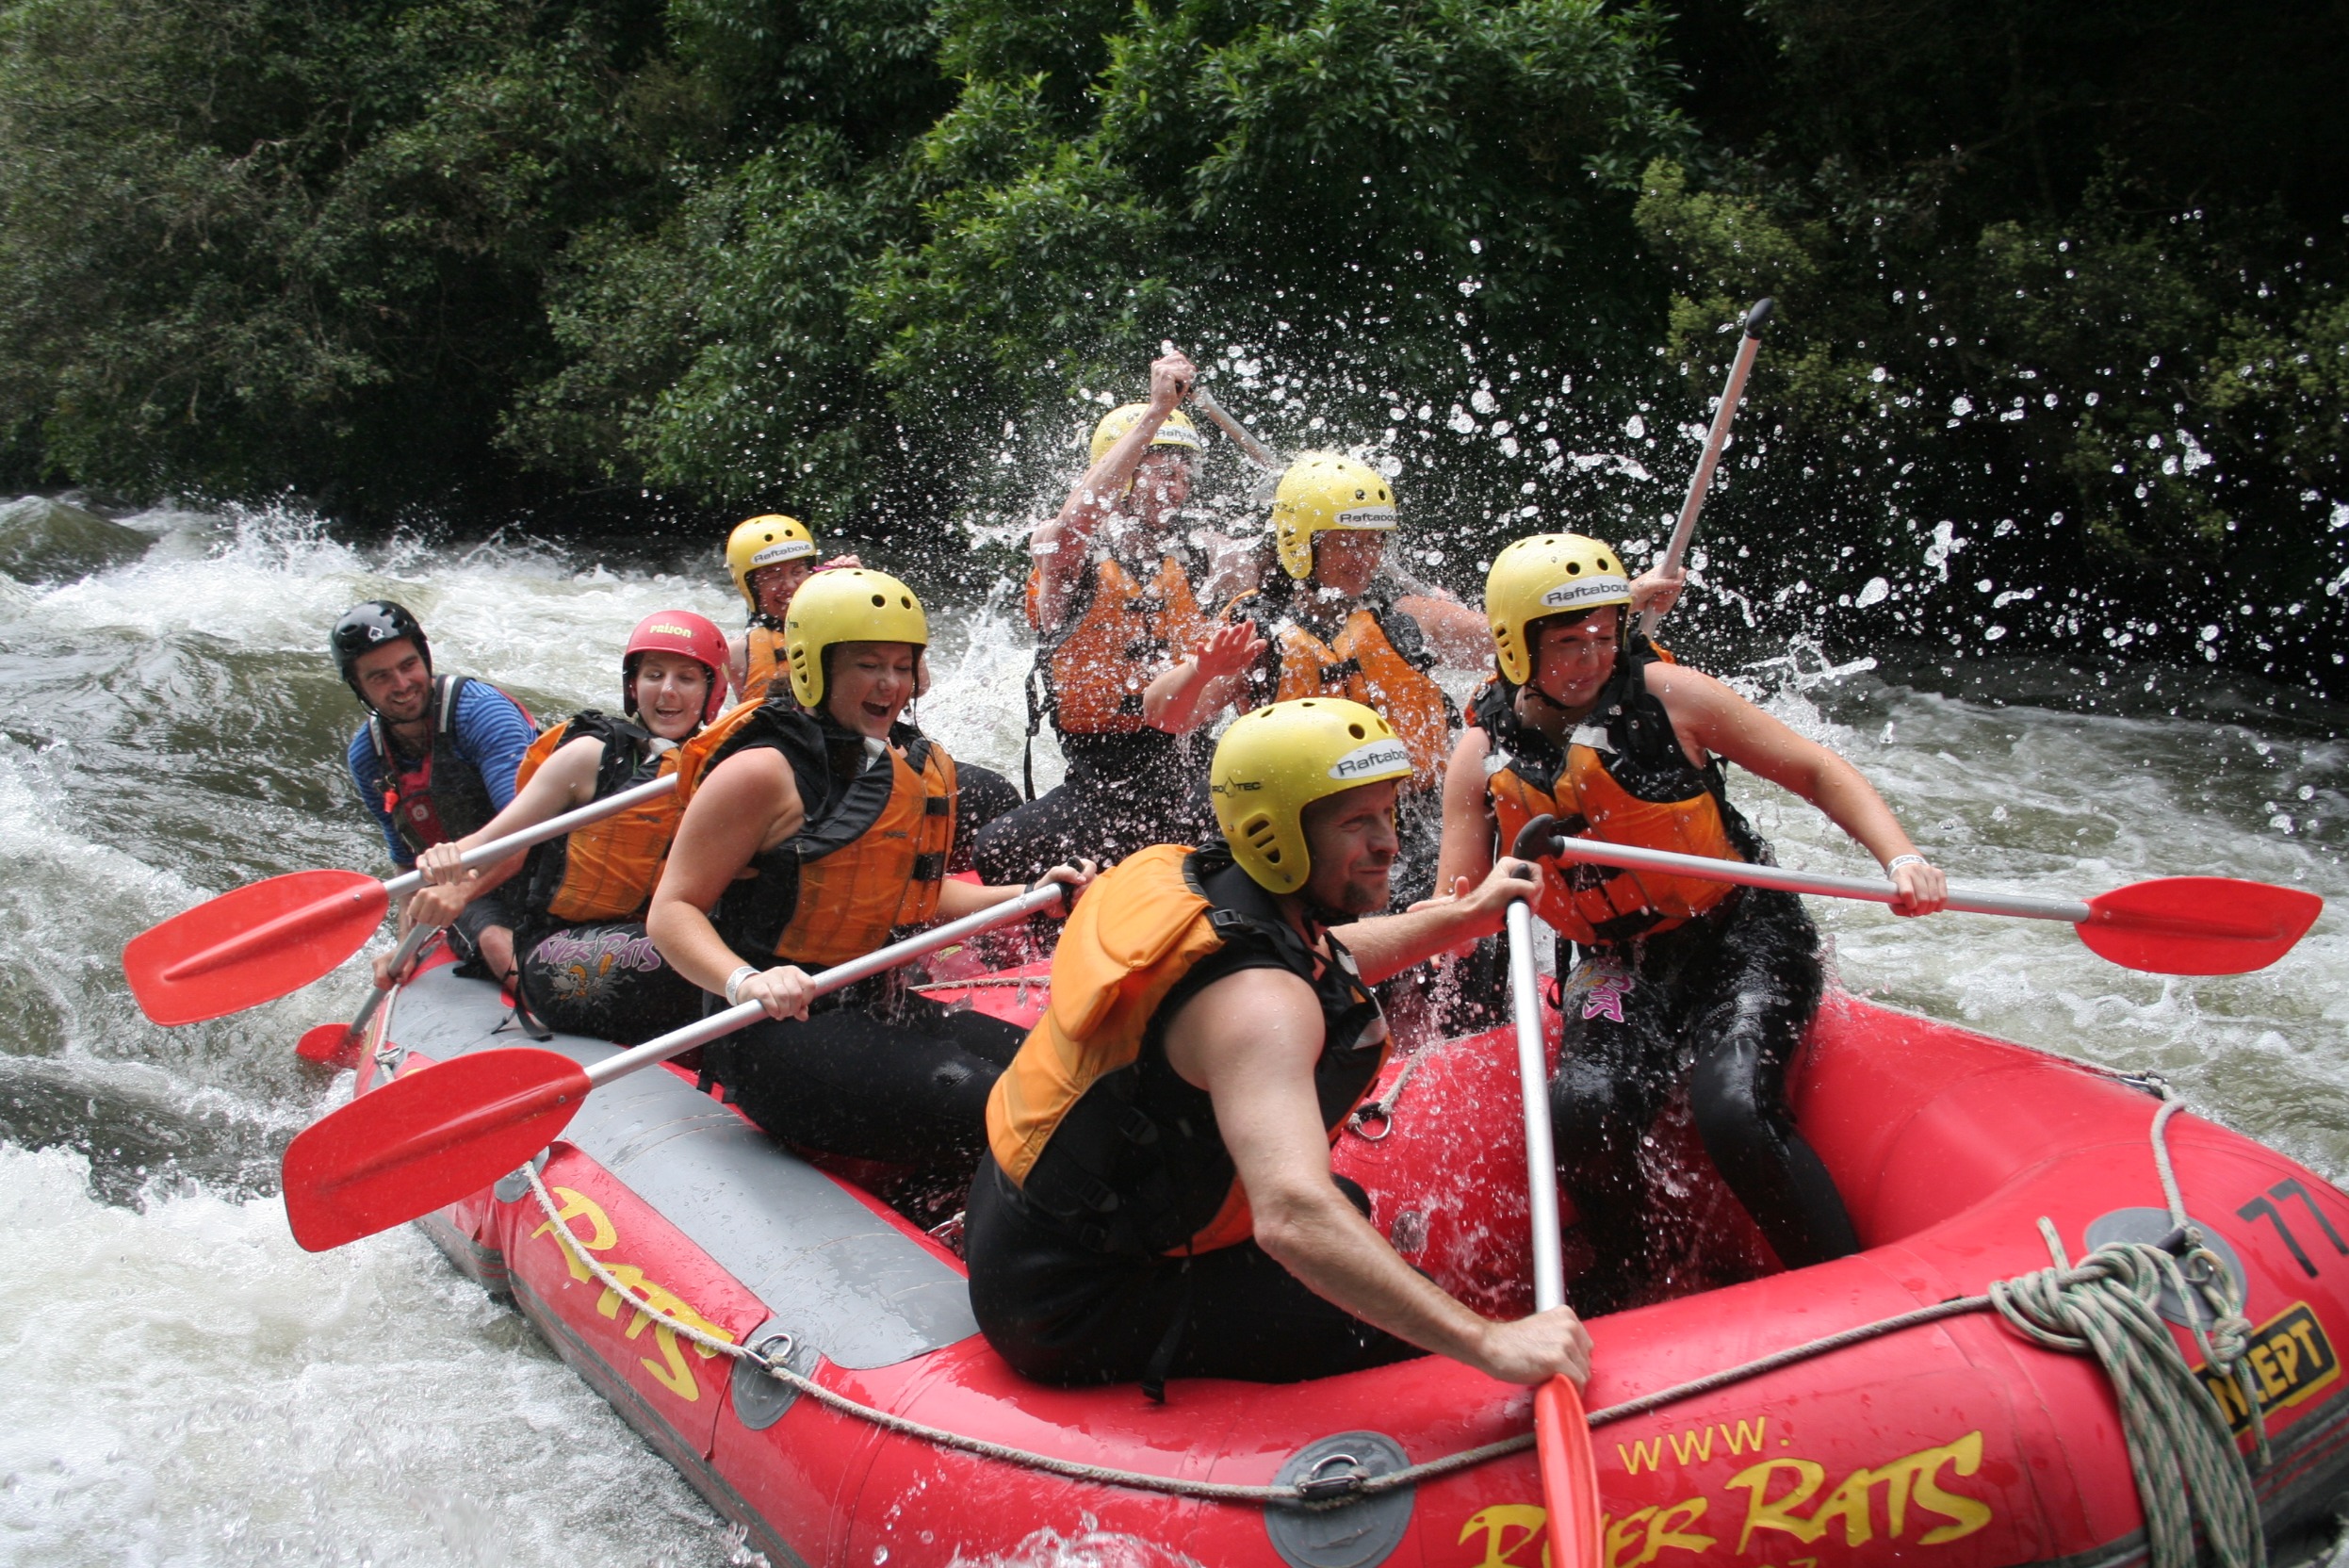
pixel 2063 354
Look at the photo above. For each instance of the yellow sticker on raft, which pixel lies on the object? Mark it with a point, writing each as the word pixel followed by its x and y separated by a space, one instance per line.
pixel 2290 1360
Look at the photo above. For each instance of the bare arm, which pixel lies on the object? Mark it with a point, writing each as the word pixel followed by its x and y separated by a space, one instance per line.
pixel 1468 830
pixel 737 662
pixel 1250 1041
pixel 957 899
pixel 1059 546
pixel 1200 687
pixel 1711 718
pixel 750 802
pixel 1461 636
pixel 566 780
pixel 1386 945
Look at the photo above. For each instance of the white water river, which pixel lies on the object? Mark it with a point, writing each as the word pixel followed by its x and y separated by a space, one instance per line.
pixel 180 1384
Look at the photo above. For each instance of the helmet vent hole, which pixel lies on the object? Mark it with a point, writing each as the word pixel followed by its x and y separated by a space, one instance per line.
pixel 1574 569
pixel 1356 730
pixel 880 601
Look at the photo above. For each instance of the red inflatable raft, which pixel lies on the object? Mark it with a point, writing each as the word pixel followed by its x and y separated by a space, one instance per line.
pixel 1956 1444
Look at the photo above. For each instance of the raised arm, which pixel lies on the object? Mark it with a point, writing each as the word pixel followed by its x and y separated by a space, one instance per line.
pixel 1202 686
pixel 1059 546
pixel 1458 635
pixel 1250 1041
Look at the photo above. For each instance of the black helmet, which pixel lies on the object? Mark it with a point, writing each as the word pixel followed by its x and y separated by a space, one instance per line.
pixel 371 626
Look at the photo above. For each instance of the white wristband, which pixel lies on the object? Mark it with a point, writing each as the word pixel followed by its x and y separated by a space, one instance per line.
pixel 1898 860
pixel 734 981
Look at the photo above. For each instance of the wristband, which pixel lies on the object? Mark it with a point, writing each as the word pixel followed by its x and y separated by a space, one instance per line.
pixel 734 981
pixel 1894 864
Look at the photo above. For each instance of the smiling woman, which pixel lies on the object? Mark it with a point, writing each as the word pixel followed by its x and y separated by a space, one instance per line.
pixel 813 828
pixel 586 963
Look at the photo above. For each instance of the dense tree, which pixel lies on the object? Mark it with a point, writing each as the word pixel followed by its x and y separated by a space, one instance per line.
pixel 2062 286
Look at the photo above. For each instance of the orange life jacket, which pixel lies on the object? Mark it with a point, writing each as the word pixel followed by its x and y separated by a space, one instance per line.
pixel 606 871
pixel 1091 1124
pixel 1362 664
pixel 1623 779
pixel 764 667
pixel 870 857
pixel 1121 635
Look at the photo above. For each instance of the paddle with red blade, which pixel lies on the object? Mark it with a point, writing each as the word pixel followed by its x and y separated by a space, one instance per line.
pixel 275 937
pixel 428 1138
pixel 1570 1475
pixel 2170 925
pixel 336 1045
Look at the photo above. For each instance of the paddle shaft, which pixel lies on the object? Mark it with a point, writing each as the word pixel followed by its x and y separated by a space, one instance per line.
pixel 1257 451
pixel 553 827
pixel 2071 911
pixel 654 1051
pixel 1715 440
pixel 410 945
pixel 1549 1268
pixel 1569 1476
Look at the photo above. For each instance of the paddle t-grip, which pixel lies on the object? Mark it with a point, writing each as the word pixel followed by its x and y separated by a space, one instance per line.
pixel 1537 839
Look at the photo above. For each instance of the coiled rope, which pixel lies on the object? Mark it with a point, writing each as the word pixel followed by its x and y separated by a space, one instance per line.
pixel 2180 1450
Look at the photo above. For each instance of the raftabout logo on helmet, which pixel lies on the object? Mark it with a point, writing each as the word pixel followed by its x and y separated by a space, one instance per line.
pixel 1381 759
pixel 1567 595
pixel 1375 517
pixel 782 549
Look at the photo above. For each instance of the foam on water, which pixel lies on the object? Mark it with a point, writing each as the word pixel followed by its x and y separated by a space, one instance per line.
pixel 182 1384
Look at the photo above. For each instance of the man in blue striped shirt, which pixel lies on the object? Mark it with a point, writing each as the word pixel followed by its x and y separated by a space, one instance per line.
pixel 435 760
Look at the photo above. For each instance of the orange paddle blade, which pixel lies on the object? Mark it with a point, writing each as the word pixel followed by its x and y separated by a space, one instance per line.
pixel 252 946
pixel 424 1140
pixel 335 1045
pixel 1570 1475
pixel 2198 924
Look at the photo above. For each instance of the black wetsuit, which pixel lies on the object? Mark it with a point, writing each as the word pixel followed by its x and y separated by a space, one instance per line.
pixel 1719 1003
pixel 873 1072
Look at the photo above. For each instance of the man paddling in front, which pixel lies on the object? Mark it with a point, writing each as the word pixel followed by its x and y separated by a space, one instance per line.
pixel 435 762
pixel 1158 1200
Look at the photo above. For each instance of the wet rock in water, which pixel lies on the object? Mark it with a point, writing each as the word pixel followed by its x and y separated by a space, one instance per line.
pixel 48 540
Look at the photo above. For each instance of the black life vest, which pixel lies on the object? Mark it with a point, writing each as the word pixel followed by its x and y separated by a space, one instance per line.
pixel 870 856
pixel 1623 778
pixel 440 796
pixel 1129 1158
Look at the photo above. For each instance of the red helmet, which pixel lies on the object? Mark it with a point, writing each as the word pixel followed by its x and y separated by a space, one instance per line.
pixel 677 631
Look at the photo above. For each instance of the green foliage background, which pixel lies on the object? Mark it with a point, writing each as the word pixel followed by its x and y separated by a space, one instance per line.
pixel 2061 287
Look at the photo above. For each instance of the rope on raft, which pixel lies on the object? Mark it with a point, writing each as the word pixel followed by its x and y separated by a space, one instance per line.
pixel 2180 1448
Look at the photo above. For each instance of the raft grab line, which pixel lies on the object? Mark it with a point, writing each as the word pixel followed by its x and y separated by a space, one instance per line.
pixel 2181 1451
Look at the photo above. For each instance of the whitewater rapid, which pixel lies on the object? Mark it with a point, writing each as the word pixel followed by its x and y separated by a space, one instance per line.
pixel 180 1384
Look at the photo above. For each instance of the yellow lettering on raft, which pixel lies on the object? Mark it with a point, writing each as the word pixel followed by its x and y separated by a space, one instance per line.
pixel 671 1372
pixel 1914 1477
pixel 602 1237
pixel 1694 1446
pixel 1633 1542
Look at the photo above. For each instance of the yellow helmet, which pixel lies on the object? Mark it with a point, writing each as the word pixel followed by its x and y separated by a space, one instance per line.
pixel 1274 762
pixel 1177 432
pixel 846 605
pixel 764 542
pixel 1321 491
pixel 1550 574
